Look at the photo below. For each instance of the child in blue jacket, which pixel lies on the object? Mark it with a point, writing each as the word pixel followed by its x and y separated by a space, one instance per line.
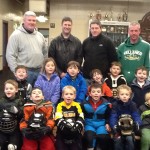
pixel 96 114
pixel 75 79
pixel 124 106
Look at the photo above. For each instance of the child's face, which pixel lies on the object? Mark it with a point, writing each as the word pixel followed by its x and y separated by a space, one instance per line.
pixel 10 90
pixel 141 75
pixel 124 95
pixel 68 96
pixel 97 77
pixel 50 67
pixel 73 71
pixel 148 101
pixel 21 74
pixel 95 93
pixel 36 96
pixel 115 70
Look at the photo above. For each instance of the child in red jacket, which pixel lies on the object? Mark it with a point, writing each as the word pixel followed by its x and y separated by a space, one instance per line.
pixel 97 77
pixel 37 123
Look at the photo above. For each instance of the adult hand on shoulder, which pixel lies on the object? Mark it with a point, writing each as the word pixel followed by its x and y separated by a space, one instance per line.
pixel 62 74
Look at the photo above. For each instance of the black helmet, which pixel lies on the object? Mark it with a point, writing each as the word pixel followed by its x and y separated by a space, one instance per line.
pixel 8 122
pixel 37 120
pixel 125 124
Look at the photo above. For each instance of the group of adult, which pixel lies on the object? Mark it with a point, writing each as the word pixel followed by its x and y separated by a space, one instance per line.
pixel 26 46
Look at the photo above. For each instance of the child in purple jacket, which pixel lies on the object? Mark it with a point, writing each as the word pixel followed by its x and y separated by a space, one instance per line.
pixel 48 81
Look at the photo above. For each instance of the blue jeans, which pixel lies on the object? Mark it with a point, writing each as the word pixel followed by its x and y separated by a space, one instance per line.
pixel 124 143
pixel 32 76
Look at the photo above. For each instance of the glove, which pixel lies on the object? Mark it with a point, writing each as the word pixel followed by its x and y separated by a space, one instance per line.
pixel 77 127
pixel 137 127
pixel 30 134
pixel 115 130
pixel 27 132
pixel 13 110
pixel 63 124
pixel 116 133
pixel 137 130
pixel 44 130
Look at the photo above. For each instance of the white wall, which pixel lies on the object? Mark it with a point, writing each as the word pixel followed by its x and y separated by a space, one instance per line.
pixel 79 11
pixel 6 7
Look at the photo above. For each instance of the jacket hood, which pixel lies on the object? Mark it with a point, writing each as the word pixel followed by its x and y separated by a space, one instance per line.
pixel 21 28
pixel 134 82
pixel 129 44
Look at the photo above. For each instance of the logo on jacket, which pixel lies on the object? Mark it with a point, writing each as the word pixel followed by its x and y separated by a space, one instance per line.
pixel 132 55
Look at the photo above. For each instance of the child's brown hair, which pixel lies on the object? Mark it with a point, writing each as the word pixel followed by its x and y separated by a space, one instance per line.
pixel 21 67
pixel 12 82
pixel 95 71
pixel 46 61
pixel 141 68
pixel 74 64
pixel 95 85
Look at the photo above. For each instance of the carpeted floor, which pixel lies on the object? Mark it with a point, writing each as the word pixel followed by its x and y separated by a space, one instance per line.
pixel 4 75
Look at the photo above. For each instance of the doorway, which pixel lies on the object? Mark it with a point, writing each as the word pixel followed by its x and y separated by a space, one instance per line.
pixel 5 40
pixel 45 32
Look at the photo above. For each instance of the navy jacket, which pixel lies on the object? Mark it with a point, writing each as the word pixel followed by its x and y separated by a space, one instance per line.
pixel 120 108
pixel 139 93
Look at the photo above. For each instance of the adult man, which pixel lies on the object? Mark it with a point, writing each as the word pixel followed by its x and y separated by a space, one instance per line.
pixel 98 51
pixel 133 53
pixel 26 46
pixel 65 47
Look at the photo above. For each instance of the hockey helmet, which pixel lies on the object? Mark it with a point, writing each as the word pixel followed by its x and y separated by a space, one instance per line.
pixel 36 120
pixel 8 122
pixel 125 124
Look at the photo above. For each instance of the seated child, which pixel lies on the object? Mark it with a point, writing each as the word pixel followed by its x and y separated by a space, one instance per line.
pixel 96 113
pixel 37 124
pixel 75 79
pixel 124 107
pixel 48 81
pixel 10 114
pixel 69 120
pixel 115 78
pixel 97 77
pixel 140 85
pixel 145 115
pixel 24 88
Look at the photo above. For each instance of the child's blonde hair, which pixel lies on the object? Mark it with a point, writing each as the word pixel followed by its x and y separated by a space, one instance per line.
pixel 46 61
pixel 116 63
pixel 124 86
pixel 147 96
pixel 12 82
pixel 69 87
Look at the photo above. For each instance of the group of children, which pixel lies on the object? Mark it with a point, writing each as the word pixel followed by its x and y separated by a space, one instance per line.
pixel 87 117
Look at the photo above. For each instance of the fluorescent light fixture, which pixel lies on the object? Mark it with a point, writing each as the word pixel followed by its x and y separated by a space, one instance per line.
pixel 41 18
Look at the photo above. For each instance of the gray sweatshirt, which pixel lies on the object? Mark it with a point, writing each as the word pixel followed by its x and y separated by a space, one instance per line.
pixel 25 49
